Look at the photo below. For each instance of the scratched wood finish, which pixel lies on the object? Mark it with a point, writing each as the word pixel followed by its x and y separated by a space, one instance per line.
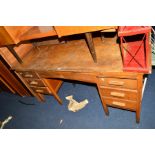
pixel 74 56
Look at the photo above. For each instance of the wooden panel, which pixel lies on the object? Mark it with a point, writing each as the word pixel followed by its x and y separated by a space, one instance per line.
pixel 118 82
pixel 11 34
pixel 85 77
pixel 118 93
pixel 10 79
pixel 16 31
pixel 55 84
pixel 69 30
pixel 37 32
pixel 5 37
pixel 7 85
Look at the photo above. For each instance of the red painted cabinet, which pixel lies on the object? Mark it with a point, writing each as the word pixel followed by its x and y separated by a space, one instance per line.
pixel 135 48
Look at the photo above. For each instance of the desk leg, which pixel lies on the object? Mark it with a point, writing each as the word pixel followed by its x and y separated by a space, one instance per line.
pixel 103 102
pixel 11 49
pixel 105 107
pixel 89 39
pixel 139 97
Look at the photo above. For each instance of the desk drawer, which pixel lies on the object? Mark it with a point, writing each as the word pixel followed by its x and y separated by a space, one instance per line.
pixel 35 82
pixel 119 103
pixel 118 82
pixel 42 90
pixel 117 93
pixel 28 74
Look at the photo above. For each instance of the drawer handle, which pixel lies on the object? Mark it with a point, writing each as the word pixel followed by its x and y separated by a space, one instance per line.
pixel 33 83
pixel 117 83
pixel 39 91
pixel 118 103
pixel 28 75
pixel 102 79
pixel 116 94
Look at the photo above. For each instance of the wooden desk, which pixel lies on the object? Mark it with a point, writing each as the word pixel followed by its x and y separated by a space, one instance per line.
pixel 73 61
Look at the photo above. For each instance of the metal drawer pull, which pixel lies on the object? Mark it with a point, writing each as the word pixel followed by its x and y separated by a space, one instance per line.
pixel 28 75
pixel 117 94
pixel 118 103
pixel 39 91
pixel 34 83
pixel 118 83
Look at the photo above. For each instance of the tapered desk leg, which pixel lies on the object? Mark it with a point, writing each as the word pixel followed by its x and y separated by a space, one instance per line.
pixel 11 49
pixel 91 45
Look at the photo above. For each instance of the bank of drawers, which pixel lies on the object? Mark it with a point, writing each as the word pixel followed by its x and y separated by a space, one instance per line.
pixel 35 83
pixel 119 92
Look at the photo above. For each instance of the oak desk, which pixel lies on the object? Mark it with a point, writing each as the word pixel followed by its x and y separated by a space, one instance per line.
pixel 72 61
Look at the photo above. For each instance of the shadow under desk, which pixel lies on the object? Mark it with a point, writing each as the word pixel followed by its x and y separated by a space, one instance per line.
pixel 72 61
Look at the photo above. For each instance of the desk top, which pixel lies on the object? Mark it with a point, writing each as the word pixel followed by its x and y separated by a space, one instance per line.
pixel 74 56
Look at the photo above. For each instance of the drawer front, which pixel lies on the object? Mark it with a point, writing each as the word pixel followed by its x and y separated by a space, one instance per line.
pixel 28 74
pixel 119 103
pixel 35 82
pixel 118 82
pixel 42 90
pixel 117 93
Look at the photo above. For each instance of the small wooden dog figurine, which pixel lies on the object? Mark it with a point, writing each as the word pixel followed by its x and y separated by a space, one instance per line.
pixel 74 105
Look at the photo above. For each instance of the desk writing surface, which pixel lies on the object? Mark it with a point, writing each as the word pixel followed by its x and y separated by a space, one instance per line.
pixel 74 56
